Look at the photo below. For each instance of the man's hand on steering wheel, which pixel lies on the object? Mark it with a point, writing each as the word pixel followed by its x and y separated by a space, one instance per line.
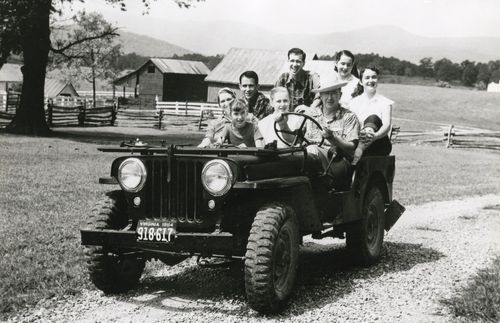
pixel 299 133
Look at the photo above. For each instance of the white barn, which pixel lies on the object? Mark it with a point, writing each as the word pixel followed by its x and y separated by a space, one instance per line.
pixel 494 87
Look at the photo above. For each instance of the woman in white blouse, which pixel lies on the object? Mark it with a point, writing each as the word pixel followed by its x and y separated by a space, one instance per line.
pixel 346 71
pixel 374 112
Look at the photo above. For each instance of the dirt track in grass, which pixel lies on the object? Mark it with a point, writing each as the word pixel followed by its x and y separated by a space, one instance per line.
pixel 432 251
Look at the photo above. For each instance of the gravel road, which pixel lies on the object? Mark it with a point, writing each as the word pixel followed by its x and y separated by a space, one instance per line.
pixel 431 251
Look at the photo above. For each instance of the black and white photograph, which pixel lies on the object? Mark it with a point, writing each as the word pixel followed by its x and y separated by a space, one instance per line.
pixel 249 161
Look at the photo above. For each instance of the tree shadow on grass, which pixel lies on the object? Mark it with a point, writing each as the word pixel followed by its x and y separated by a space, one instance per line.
pixel 326 274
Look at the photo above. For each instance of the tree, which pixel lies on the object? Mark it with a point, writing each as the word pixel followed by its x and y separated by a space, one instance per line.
pixel 25 28
pixel 210 61
pixel 469 73
pixel 446 70
pixel 94 58
pixel 483 73
pixel 495 76
pixel 425 68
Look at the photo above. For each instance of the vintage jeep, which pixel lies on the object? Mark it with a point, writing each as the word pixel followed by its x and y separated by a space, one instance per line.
pixel 251 205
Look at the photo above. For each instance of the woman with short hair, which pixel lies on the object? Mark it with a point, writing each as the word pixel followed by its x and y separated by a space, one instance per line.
pixel 225 97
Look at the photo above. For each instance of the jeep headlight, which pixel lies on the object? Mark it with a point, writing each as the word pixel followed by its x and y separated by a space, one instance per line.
pixel 217 177
pixel 132 174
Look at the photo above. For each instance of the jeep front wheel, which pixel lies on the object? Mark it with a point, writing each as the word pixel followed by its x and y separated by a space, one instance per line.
pixel 271 258
pixel 112 271
pixel 366 237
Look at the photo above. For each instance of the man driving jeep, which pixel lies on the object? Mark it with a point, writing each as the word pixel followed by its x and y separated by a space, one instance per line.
pixel 340 129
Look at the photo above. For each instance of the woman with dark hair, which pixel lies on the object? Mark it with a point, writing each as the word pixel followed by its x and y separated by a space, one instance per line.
pixel 346 71
pixel 225 97
pixel 374 111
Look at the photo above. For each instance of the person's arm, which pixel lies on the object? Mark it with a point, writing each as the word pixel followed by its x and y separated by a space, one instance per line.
pixel 338 141
pixel 259 143
pixel 283 124
pixel 351 130
pixel 258 138
pixel 386 123
pixel 205 142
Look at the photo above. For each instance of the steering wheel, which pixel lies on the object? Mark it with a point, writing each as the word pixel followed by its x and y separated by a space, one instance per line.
pixel 299 132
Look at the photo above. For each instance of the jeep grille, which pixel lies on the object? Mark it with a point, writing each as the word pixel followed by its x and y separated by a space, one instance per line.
pixel 182 196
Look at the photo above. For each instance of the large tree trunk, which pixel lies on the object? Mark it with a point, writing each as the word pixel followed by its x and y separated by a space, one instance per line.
pixel 30 116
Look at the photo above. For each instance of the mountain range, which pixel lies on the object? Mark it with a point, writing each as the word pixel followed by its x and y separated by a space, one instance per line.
pixel 210 38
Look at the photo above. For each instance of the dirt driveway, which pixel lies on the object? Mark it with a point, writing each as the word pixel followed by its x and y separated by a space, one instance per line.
pixel 430 252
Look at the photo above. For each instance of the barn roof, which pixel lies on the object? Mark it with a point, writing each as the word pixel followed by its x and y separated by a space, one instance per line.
pixel 268 64
pixel 177 66
pixel 171 66
pixel 11 73
pixel 54 87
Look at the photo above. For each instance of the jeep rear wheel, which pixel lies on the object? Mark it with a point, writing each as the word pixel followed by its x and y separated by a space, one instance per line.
pixel 271 259
pixel 112 271
pixel 365 239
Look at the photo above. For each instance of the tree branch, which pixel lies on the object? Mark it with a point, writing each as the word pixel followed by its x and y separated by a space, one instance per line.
pixel 60 50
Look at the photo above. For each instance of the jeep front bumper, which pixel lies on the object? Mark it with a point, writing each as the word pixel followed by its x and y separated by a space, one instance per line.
pixel 205 244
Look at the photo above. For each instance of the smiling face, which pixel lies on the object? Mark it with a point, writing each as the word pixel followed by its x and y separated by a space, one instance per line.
pixel 344 66
pixel 225 100
pixel 330 99
pixel 369 80
pixel 280 101
pixel 239 118
pixel 296 63
pixel 248 86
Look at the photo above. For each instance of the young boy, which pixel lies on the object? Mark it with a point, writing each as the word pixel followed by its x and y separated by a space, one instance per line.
pixel 241 132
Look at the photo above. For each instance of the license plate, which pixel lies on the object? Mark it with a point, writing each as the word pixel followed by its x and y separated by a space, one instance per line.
pixel 155 231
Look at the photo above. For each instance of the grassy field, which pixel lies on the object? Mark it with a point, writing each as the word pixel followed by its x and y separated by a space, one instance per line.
pixel 429 106
pixel 479 301
pixel 50 184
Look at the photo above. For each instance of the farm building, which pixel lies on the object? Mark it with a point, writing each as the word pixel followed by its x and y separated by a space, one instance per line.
pixel 494 87
pixel 11 79
pixel 268 64
pixel 167 79
pixel 10 75
pixel 54 88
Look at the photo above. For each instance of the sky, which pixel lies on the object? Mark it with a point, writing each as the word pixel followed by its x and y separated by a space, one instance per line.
pixel 432 18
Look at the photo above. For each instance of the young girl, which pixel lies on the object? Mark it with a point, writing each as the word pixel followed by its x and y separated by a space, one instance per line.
pixel 280 101
pixel 374 111
pixel 346 71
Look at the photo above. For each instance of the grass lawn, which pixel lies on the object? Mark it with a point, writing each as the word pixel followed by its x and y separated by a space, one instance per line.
pixel 440 105
pixel 49 186
pixel 479 301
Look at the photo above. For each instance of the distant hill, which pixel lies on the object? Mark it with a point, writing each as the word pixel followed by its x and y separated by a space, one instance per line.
pixel 148 46
pixel 211 38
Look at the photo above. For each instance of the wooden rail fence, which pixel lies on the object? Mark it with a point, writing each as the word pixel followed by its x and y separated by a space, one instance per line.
pixel 80 113
pixel 472 139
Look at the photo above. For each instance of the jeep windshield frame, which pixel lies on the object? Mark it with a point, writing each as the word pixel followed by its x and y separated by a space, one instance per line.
pixel 193 150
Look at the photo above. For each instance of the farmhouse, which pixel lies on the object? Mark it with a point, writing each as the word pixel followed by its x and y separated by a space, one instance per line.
pixel 268 64
pixel 167 80
pixel 55 88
